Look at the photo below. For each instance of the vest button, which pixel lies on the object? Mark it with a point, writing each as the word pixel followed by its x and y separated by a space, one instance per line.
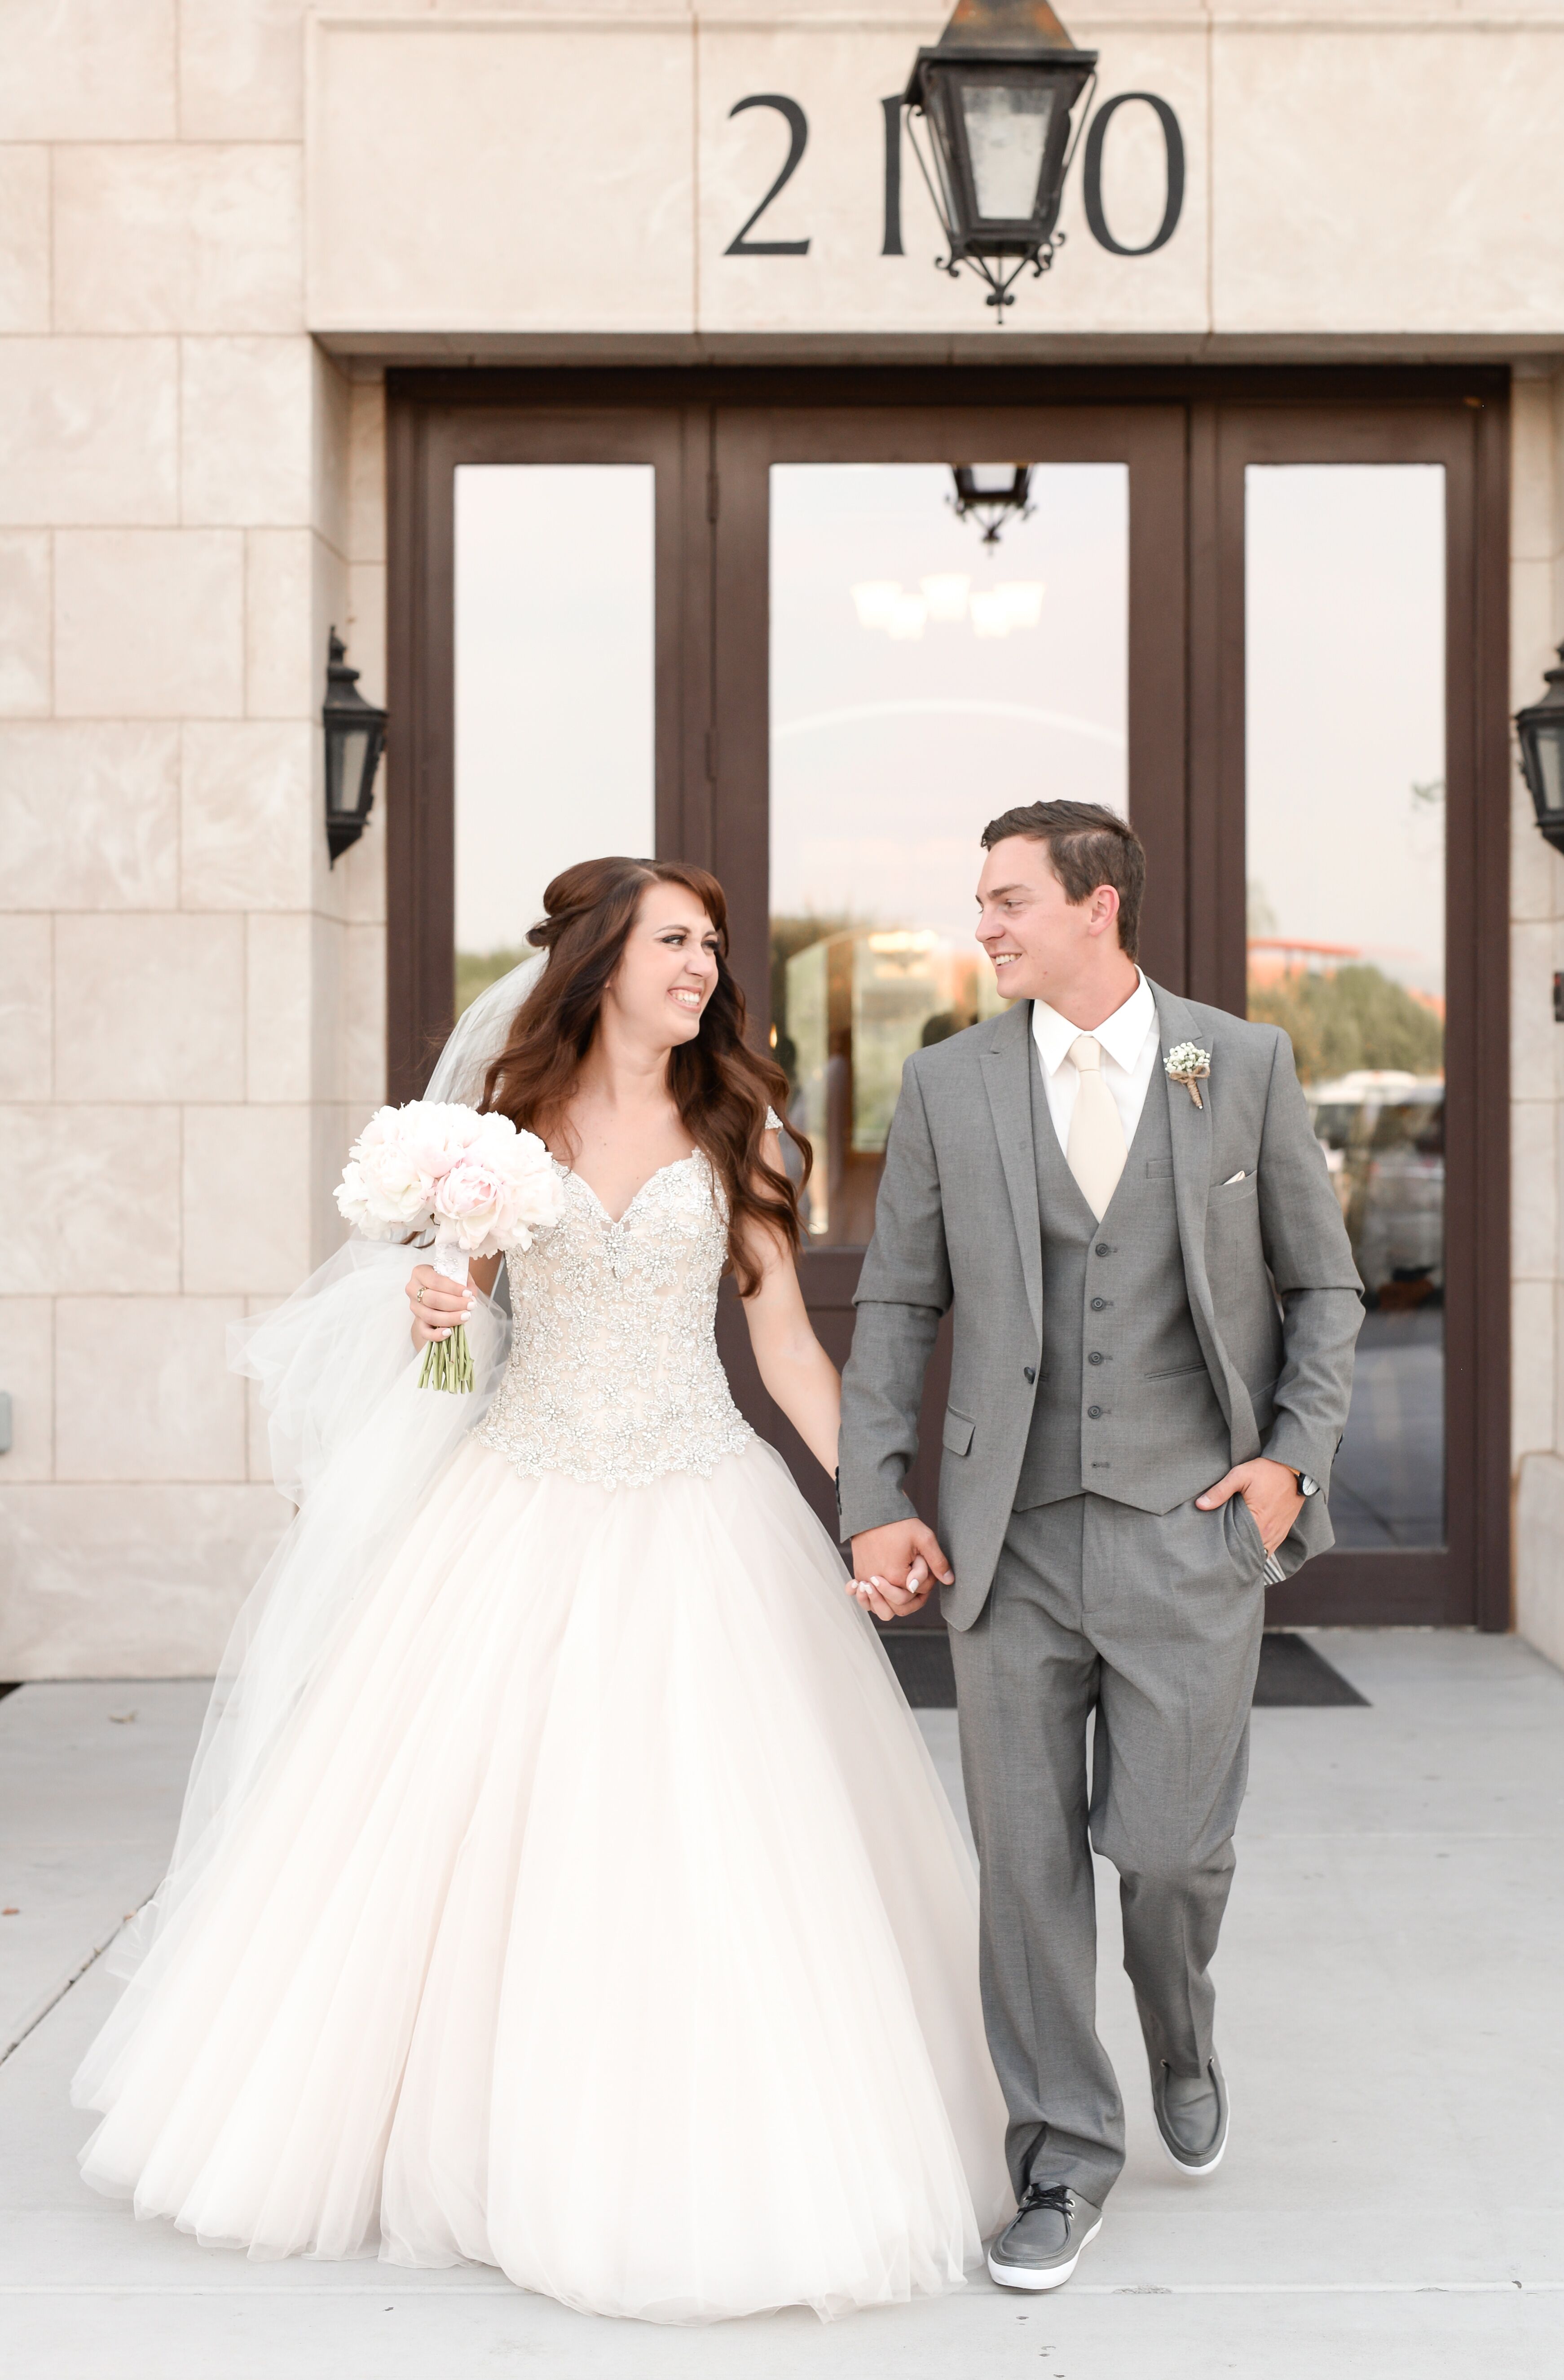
pixel 1029 1371
pixel 1102 1247
pixel 1094 1357
pixel 1094 1412
pixel 1098 1305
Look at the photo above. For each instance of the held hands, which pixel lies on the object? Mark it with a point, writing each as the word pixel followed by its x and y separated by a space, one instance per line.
pixel 1270 1490
pixel 438 1305
pixel 892 1566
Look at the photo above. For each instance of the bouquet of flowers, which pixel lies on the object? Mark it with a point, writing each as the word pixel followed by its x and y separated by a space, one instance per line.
pixel 474 1180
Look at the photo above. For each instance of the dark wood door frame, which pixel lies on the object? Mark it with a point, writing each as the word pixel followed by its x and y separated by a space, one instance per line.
pixel 711 435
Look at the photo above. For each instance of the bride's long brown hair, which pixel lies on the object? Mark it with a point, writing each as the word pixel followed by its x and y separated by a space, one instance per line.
pixel 721 1087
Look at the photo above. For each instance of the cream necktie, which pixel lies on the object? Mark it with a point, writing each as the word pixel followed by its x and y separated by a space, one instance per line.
pixel 1094 1151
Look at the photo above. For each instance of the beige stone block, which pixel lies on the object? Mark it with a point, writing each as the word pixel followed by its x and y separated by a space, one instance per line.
pixel 1535 881
pixel 1539 1555
pixel 27 1374
pixel 245 431
pixel 279 1000
pixel 143 1391
pixel 1536 1062
pixel 1534 1126
pixel 1367 199
pixel 183 237
pixel 149 623
pixel 24 240
pixel 333 395
pixel 327 955
pixel 1532 1365
pixel 149 1008
pixel 284 677
pixel 333 1131
pixel 365 481
pixel 364 1018
pixel 365 624
pixel 241 70
pixel 88 432
pixel 1532 456
pixel 129 1581
pixel 25 608
pixel 247 815
pixel 89 814
pixel 27 972
pixel 90 1200
pixel 88 71
pixel 1534 629
pixel 257 1443
pixel 247 1199
pixel 437 179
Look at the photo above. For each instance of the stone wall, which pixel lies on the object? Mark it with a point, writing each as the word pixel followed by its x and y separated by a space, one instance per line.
pixel 1536 1040
pixel 191 1000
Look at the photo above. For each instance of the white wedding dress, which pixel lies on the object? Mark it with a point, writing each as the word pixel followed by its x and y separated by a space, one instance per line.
pixel 595 1912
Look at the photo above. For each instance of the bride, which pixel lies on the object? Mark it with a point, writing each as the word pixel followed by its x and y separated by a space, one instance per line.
pixel 562 1882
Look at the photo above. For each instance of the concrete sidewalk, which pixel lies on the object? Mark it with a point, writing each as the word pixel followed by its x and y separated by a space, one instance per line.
pixel 1391 1989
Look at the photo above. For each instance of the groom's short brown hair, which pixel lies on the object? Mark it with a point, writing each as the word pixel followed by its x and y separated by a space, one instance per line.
pixel 1087 846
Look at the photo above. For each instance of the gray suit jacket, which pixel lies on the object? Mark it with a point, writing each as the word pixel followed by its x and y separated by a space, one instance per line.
pixel 1267 1268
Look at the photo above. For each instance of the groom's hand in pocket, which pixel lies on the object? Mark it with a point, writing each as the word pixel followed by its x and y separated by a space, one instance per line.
pixel 1270 1490
pixel 899 1560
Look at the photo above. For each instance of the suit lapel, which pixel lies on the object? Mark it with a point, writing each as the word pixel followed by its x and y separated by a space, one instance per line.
pixel 1007 1078
pixel 1191 1129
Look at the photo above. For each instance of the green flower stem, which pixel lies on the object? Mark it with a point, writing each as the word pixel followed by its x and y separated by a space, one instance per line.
pixel 448 1364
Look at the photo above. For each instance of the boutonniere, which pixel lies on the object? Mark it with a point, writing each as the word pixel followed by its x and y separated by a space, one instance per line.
pixel 1188 1064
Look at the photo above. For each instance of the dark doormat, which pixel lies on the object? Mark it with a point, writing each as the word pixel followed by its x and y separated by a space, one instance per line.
pixel 921 1658
pixel 1292 1675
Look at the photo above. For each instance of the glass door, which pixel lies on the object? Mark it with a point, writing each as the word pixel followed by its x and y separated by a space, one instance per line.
pixel 1353 813
pixel 921 621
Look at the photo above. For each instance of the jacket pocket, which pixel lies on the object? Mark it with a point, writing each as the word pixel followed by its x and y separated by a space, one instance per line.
pixel 1158 1168
pixel 958 1432
pixel 1176 1371
pixel 1228 1193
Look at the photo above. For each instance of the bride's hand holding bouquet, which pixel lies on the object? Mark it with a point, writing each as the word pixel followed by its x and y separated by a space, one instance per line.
pixel 473 1180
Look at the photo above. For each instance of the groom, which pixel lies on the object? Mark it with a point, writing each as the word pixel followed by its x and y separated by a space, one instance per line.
pixel 1119 1194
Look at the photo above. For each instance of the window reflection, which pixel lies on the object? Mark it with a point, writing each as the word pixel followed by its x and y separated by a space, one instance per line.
pixel 554 646
pixel 922 680
pixel 1346 861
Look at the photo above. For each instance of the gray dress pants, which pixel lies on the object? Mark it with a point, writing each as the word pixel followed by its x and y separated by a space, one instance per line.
pixel 1152 1622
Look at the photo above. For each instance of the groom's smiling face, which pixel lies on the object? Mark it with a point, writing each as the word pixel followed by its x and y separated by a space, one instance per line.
pixel 1040 941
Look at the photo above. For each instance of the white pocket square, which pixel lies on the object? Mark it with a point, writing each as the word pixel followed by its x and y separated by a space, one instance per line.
pixel 1240 1176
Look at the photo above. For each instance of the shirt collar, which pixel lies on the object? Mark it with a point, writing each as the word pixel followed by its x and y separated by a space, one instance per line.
pixel 1123 1034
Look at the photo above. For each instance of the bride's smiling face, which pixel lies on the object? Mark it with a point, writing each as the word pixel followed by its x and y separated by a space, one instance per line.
pixel 668 971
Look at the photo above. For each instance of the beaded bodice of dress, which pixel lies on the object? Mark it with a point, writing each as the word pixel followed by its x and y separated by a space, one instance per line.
pixel 614 1374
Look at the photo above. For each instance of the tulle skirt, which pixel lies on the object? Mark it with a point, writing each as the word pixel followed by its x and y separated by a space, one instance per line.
pixel 599 1916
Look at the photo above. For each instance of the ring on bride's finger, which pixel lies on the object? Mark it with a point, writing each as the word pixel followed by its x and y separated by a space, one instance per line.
pixel 420 1299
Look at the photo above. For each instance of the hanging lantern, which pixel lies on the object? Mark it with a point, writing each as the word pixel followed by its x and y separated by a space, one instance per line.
pixel 996 98
pixel 355 738
pixel 1540 728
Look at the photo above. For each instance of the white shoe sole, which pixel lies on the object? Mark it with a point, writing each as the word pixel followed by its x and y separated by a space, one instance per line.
pixel 1034 2276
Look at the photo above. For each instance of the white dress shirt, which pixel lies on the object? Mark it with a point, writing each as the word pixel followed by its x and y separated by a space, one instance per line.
pixel 1129 1039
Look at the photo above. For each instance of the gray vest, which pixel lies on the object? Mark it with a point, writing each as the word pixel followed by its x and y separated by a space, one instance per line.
pixel 1125 1403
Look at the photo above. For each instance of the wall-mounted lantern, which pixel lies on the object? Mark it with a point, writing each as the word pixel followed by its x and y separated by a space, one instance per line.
pixel 1541 729
pixel 996 96
pixel 355 739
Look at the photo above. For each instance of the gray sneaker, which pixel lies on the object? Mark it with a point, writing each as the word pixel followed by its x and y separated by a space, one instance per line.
pixel 1043 2246
pixel 1191 2115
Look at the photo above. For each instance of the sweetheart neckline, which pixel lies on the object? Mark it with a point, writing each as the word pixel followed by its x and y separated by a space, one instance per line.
pixel 613 1221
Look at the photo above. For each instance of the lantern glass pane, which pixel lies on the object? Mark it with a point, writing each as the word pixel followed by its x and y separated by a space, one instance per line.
pixel 554 712
pixel 1345 860
pixel 1007 131
pixel 346 790
pixel 921 682
pixel 1548 746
